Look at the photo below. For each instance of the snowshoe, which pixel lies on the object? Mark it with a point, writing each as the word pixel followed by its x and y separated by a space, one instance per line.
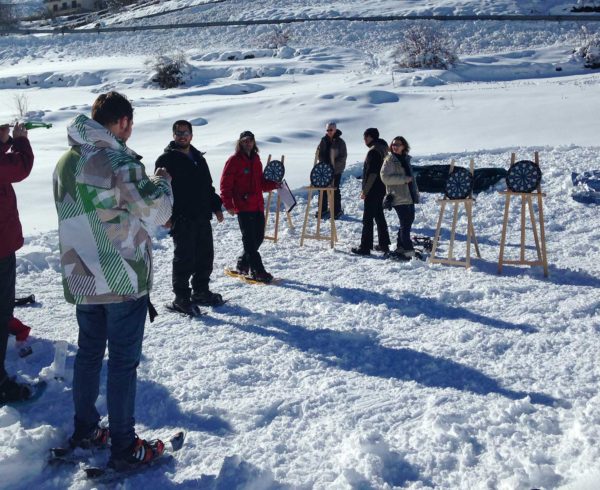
pixel 397 256
pixel 144 455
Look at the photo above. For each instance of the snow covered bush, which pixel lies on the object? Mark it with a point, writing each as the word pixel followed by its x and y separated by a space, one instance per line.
pixel 589 49
pixel 170 71
pixel 587 6
pixel 425 47
pixel 275 39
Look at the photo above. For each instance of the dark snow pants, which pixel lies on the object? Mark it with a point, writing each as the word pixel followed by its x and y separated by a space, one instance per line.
pixel 406 215
pixel 252 226
pixel 7 303
pixel 337 196
pixel 193 255
pixel 374 211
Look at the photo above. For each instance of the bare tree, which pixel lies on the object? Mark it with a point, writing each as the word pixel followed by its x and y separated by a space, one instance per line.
pixel 21 104
pixel 7 14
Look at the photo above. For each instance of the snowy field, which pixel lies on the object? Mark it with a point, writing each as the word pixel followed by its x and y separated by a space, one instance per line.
pixel 351 372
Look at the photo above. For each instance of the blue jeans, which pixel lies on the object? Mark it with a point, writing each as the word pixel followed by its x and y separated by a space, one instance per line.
pixel 122 325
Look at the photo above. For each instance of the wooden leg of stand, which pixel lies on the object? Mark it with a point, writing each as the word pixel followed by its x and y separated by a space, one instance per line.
pixel 277 219
pixel 436 239
pixel 503 238
pixel 332 218
pixel 453 232
pixel 268 209
pixel 523 199
pixel 319 211
pixel 289 220
pixel 308 199
pixel 542 235
pixel 469 229
pixel 475 239
pixel 534 228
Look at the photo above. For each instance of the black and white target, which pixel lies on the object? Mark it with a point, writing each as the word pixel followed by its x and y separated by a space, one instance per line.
pixel 321 175
pixel 523 176
pixel 459 184
pixel 274 171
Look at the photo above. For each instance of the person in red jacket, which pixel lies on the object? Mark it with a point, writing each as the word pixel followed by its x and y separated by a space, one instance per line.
pixel 242 187
pixel 16 162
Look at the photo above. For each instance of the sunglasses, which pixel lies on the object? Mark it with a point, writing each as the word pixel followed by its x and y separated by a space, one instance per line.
pixel 330 130
pixel 396 144
pixel 183 133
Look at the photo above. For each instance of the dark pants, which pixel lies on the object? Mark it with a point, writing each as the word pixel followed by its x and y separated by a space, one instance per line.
pixel 122 326
pixel 406 215
pixel 7 303
pixel 252 226
pixel 337 196
pixel 193 255
pixel 374 211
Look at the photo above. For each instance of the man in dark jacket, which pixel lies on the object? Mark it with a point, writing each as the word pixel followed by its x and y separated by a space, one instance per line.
pixel 15 165
pixel 195 201
pixel 332 149
pixel 373 192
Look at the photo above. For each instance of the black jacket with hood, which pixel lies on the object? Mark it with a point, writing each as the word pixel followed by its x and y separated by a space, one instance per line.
pixel 193 191
pixel 372 185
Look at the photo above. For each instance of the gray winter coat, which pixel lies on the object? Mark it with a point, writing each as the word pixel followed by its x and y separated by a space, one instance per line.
pixel 396 182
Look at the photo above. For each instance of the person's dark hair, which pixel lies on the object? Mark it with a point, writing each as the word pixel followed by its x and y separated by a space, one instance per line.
pixel 182 122
pixel 110 107
pixel 372 132
pixel 238 145
pixel 402 140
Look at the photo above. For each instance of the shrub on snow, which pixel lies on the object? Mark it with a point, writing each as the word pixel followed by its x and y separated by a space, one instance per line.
pixel 425 47
pixel 169 71
pixel 589 50
pixel 274 39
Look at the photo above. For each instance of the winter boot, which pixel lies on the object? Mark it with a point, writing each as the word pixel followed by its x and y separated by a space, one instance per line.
pixel 207 298
pixel 99 437
pixel 11 391
pixel 185 306
pixel 242 269
pixel 360 251
pixel 262 276
pixel 141 452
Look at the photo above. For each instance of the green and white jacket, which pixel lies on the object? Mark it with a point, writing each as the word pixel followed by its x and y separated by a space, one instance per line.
pixel 105 204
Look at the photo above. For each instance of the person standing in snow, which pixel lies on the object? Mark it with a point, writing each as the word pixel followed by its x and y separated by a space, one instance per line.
pixel 373 192
pixel 16 162
pixel 242 185
pixel 332 149
pixel 195 201
pixel 398 177
pixel 105 204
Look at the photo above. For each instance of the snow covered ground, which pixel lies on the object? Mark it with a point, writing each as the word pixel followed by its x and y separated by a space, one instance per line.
pixel 351 372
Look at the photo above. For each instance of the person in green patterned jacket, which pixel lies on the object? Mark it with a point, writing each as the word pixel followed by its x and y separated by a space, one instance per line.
pixel 105 204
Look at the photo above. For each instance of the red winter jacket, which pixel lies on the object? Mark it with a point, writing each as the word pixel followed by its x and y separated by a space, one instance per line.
pixel 15 166
pixel 242 183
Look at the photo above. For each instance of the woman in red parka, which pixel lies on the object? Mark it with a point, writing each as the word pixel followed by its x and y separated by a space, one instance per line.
pixel 242 187
pixel 15 165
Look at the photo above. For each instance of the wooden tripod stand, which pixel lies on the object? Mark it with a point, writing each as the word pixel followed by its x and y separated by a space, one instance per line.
pixel 540 241
pixel 468 205
pixel 275 234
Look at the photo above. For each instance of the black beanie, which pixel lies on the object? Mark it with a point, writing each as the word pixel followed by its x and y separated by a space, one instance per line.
pixel 246 134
